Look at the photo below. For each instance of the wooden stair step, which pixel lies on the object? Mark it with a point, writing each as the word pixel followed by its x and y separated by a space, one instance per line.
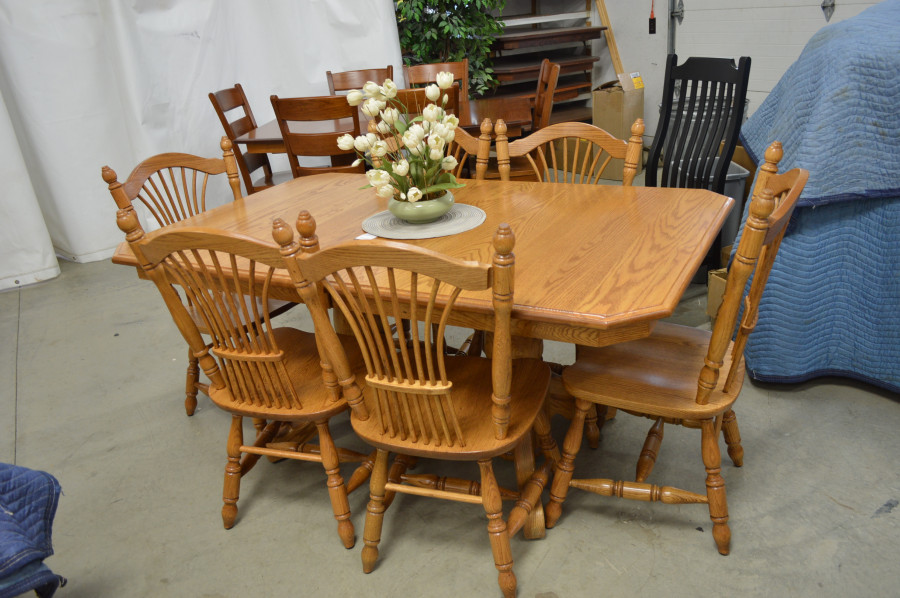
pixel 519 21
pixel 514 38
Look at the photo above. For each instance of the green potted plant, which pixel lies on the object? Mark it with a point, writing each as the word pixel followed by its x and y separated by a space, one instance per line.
pixel 448 31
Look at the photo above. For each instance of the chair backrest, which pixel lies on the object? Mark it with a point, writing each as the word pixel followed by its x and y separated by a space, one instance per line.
pixel 570 152
pixel 347 80
pixel 302 137
pixel 223 281
pixel 415 100
pixel 702 110
pixel 543 99
pixel 375 286
pixel 233 98
pixel 172 186
pixel 773 203
pixel 424 74
pixel 464 146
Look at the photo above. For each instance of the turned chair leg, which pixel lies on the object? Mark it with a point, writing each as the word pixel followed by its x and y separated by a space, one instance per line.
pixel 497 531
pixel 650 451
pixel 190 385
pixel 591 427
pixel 565 467
pixel 398 468
pixel 374 511
pixel 337 492
pixel 733 438
pixel 233 471
pixel 715 485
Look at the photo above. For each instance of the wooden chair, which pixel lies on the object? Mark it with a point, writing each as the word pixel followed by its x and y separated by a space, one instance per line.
pixel 415 100
pixel 571 152
pixel 425 74
pixel 423 403
pixel 657 377
pixel 306 140
pixel 169 188
pixel 348 80
pixel 543 98
pixel 233 98
pixel 273 375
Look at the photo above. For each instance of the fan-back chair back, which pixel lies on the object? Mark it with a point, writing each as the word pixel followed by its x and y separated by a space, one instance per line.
pixel 168 188
pixel 703 107
pixel 348 80
pixel 572 152
pixel 657 377
pixel 273 375
pixel 312 142
pixel 425 403
pixel 543 98
pixel 234 98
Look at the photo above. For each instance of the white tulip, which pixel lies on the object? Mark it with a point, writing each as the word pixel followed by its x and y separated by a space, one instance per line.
pixel 355 97
pixel 432 113
pixel 439 130
pixel 383 128
pixel 390 115
pixel 449 163
pixel 361 143
pixel 373 90
pixel 450 135
pixel 410 140
pixel 385 191
pixel 436 154
pixel 389 89
pixel 401 168
pixel 378 177
pixel 444 100
pixel 345 142
pixel 444 79
pixel 371 107
pixel 435 142
pixel 357 162
pixel 418 131
pixel 451 121
pixel 433 92
pixel 379 148
pixel 417 150
pixel 414 194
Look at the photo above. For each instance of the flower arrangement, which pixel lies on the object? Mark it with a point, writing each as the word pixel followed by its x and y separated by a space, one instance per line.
pixel 408 162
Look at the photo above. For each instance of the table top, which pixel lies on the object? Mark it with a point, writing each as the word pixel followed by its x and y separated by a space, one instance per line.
pixel 595 264
pixel 516 112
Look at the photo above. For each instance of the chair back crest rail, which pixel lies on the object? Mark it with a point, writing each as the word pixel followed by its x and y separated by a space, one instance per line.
pixel 572 152
pixel 705 117
pixel 348 80
pixel 172 186
pixel 378 285
pixel 774 199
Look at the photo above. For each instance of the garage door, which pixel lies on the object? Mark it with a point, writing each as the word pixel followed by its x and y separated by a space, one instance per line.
pixel 771 32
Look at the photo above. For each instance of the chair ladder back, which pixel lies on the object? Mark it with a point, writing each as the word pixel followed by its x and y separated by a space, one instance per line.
pixel 234 98
pixel 548 77
pixel 702 121
pixel 242 337
pixel 349 80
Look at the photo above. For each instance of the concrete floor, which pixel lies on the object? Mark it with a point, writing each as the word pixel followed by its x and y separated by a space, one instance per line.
pixel 94 372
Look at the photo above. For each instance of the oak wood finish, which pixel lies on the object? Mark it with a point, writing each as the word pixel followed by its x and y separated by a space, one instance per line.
pixel 331 109
pixel 571 152
pixel 673 376
pixel 543 96
pixel 425 74
pixel 169 188
pixel 419 401
pixel 234 98
pixel 348 80
pixel 274 375
pixel 600 279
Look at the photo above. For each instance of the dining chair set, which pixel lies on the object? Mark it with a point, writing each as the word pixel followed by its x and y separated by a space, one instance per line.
pixel 378 349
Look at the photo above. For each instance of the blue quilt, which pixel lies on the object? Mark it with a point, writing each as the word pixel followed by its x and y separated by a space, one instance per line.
pixel 832 303
pixel 28 502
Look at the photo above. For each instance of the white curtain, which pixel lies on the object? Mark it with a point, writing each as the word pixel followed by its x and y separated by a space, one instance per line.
pixel 88 83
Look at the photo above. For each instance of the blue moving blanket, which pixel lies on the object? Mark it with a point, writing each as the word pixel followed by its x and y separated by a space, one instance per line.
pixel 832 304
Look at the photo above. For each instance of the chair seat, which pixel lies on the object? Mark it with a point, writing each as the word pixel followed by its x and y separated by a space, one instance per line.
pixel 282 176
pixel 305 371
pixel 656 375
pixel 471 393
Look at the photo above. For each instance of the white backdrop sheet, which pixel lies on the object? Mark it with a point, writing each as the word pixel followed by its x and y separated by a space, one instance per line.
pixel 88 83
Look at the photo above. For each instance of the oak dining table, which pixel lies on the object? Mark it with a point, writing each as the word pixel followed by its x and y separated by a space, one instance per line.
pixel 516 112
pixel 595 264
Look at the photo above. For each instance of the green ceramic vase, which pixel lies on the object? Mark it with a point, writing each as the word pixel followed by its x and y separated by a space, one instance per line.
pixel 421 212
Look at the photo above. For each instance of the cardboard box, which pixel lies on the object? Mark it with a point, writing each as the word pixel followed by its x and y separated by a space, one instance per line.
pixel 615 108
pixel 716 280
